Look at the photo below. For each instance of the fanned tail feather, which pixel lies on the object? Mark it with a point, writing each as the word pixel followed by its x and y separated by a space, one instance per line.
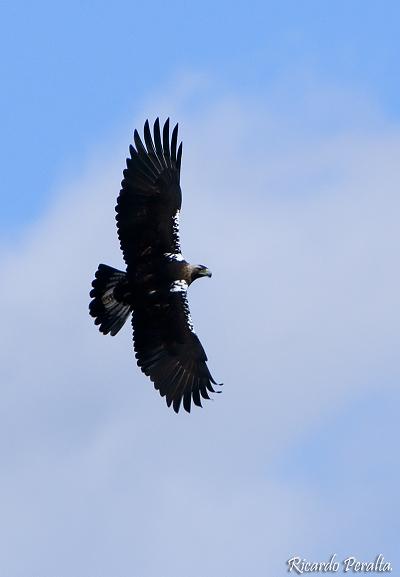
pixel 106 309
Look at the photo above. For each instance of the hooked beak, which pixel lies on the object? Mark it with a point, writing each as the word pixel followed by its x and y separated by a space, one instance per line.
pixel 206 272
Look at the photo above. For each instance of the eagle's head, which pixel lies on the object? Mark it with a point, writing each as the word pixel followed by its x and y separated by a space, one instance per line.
pixel 198 271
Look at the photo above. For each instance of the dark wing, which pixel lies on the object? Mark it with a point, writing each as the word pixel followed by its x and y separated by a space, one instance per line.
pixel 170 353
pixel 150 199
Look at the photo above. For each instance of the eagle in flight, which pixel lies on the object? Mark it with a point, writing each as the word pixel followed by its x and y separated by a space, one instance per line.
pixel 153 288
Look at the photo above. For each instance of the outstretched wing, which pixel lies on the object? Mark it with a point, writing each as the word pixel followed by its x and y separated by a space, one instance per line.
pixel 168 350
pixel 150 199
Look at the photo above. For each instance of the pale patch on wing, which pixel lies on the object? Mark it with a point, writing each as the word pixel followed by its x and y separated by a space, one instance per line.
pixel 188 317
pixel 178 286
pixel 176 219
pixel 175 229
pixel 174 256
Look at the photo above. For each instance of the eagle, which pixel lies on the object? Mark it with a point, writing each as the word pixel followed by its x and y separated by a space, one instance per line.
pixel 153 289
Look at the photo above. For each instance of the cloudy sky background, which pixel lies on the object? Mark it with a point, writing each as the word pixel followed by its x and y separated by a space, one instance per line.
pixel 290 122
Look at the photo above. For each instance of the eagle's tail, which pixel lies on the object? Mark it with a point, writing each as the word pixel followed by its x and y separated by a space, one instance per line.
pixel 105 307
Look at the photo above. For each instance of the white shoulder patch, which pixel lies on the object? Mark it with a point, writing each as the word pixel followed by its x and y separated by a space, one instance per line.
pixel 178 286
pixel 174 256
pixel 181 286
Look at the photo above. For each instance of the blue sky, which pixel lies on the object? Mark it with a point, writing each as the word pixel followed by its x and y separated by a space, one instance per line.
pixel 290 120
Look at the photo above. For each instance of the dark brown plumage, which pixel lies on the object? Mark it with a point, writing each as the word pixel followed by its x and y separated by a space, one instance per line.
pixel 154 286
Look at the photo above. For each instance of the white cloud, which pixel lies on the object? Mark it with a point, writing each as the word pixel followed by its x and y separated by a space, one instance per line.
pixel 301 315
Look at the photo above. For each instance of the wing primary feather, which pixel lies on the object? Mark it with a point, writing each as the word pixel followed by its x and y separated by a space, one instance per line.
pixel 176 404
pixel 174 139
pixel 203 390
pixel 187 400
pixel 157 142
pixel 167 154
pixel 180 386
pixel 176 395
pixel 179 158
pixel 195 394
pixel 150 146
pixel 191 384
pixel 209 385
